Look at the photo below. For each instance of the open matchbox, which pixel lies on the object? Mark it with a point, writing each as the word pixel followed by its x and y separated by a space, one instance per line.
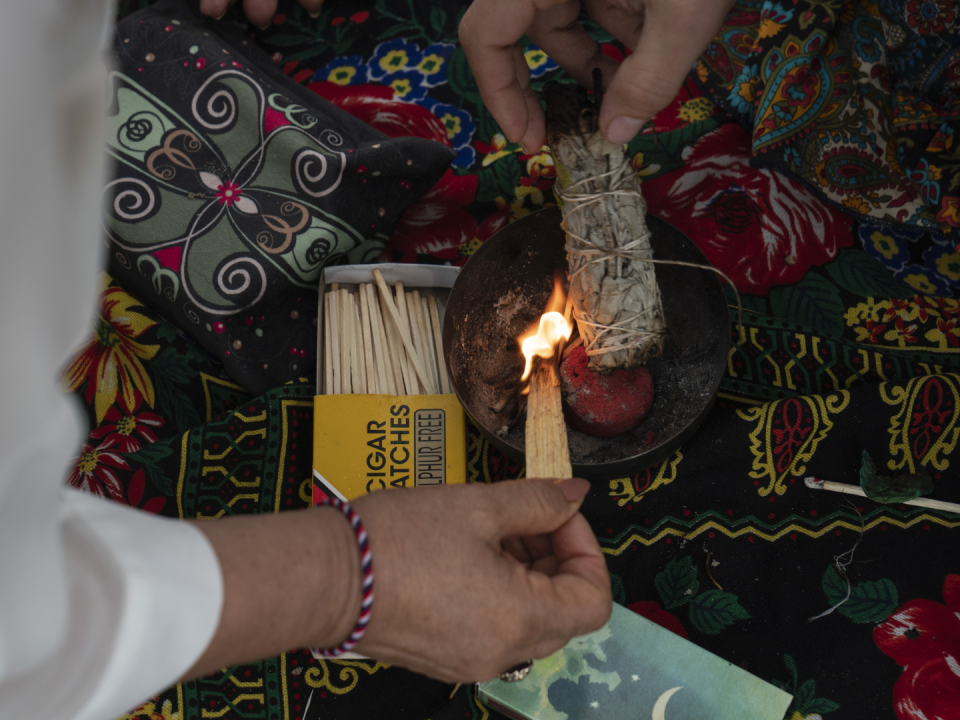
pixel 367 442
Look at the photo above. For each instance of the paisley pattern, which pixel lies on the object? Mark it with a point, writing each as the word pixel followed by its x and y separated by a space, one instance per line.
pixel 858 99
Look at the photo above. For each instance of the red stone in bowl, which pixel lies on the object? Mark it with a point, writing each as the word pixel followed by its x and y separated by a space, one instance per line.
pixel 604 405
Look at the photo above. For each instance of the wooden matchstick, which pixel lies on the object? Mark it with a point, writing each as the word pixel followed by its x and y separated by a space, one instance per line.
pixel 547 450
pixel 404 305
pixel 404 334
pixel 817 484
pixel 404 317
pixel 356 338
pixel 327 348
pixel 419 335
pixel 333 319
pixel 438 341
pixel 384 373
pixel 346 377
pixel 429 345
pixel 369 366
pixel 397 353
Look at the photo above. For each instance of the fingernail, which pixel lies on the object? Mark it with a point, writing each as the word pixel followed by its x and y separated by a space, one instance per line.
pixel 221 15
pixel 526 148
pixel 574 489
pixel 264 26
pixel 314 14
pixel 623 129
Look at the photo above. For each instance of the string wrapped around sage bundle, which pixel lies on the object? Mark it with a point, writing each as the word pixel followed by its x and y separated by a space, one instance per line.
pixel 616 300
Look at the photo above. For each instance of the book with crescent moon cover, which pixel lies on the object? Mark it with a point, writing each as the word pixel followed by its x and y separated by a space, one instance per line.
pixel 633 669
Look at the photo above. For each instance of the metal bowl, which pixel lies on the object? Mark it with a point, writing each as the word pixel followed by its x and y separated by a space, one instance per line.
pixel 504 288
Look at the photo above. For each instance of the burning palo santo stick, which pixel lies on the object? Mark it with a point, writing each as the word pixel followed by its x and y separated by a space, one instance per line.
pixel 547 450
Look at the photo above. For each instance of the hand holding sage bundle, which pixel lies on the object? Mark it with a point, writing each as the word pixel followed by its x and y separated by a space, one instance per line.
pixel 616 300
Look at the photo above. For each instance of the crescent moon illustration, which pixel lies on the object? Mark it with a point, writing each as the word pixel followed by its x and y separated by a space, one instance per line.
pixel 660 707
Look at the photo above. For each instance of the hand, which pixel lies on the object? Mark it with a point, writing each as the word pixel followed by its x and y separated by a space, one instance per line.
pixel 449 600
pixel 259 12
pixel 452 603
pixel 667 37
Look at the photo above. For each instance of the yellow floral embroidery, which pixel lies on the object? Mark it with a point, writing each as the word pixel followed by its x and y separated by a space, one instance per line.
pixel 857 203
pixel 394 60
pixel 768 28
pixel 342 75
pixel 430 64
pixel 921 283
pixel 949 265
pixel 696 109
pixel 111 361
pixel 884 244
pixel 452 124
pixel 535 58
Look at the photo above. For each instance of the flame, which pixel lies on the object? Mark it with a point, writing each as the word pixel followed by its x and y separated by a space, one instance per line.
pixel 552 329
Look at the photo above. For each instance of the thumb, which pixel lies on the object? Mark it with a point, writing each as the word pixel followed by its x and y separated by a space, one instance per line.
pixel 534 507
pixel 673 36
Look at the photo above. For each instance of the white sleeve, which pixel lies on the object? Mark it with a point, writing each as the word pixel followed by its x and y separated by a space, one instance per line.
pixel 101 606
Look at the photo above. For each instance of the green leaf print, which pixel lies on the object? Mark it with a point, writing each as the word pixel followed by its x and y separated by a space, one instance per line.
pixel 499 179
pixel 870 602
pixel 863 275
pixel 712 611
pixel 677 583
pixel 814 302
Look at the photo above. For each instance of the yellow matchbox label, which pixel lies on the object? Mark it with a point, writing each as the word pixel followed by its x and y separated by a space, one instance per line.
pixel 363 443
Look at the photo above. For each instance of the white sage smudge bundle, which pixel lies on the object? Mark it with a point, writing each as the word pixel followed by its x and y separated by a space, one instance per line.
pixel 616 300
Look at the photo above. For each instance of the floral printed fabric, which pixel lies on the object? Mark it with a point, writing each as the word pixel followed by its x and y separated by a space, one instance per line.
pixel 923 636
pixel 851 341
pixel 859 99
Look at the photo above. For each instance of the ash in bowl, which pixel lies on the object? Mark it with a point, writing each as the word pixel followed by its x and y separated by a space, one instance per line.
pixel 503 290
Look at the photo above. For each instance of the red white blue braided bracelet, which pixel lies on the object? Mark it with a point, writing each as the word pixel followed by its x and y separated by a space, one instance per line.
pixel 366 569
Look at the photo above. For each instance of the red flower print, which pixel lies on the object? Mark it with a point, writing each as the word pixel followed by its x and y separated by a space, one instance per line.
pixel 135 490
pixel 123 429
pixel 374 104
pixel 438 225
pixel 614 53
pixel 228 192
pixel 923 637
pixel 95 470
pixel 930 17
pixel 759 227
pixel 360 17
pixel 948 328
pixel 874 331
pixel 651 610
